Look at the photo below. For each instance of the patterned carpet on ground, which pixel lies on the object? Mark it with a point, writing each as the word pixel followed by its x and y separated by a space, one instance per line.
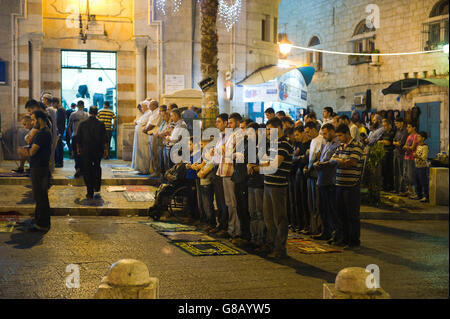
pixel 8 223
pixel 207 248
pixel 310 247
pixel 139 196
pixel 168 226
pixel 187 236
pixel 12 174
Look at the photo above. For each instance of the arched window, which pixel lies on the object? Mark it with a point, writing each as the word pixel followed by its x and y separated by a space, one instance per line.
pixel 439 9
pixel 364 38
pixel 435 30
pixel 362 28
pixel 314 58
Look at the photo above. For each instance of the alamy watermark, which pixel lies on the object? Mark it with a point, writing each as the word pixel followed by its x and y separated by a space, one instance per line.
pixel 73 279
pixel 373 279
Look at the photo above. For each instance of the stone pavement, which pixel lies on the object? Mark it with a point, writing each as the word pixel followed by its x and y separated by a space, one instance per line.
pixel 412 257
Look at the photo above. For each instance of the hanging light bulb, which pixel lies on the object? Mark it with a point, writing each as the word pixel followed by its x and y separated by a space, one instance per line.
pixel 285 46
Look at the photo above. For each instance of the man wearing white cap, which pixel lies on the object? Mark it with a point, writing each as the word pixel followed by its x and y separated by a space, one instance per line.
pixel 141 158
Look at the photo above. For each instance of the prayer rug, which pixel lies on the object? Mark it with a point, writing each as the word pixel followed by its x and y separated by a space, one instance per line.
pixel 168 226
pixel 8 222
pixel 207 248
pixel 112 189
pixel 310 247
pixel 122 169
pixel 12 174
pixel 130 175
pixel 187 236
pixel 139 189
pixel 139 196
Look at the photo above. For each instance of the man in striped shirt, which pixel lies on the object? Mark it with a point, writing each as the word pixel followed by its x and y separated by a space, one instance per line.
pixel 349 159
pixel 107 117
pixel 275 193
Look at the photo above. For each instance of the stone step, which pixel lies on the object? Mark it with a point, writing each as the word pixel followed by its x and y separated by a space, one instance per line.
pixel 64 175
pixel 71 200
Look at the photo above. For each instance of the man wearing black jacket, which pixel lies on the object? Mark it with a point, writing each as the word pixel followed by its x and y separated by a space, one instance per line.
pixel 91 145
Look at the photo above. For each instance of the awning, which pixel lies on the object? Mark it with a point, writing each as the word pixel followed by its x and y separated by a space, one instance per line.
pixel 406 85
pixel 307 72
pixel 266 74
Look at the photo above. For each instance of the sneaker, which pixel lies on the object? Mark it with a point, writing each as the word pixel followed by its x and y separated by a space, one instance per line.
pixel 415 197
pixel 424 200
pixel 214 230
pixel 37 229
pixel 264 249
pixel 239 241
pixel 19 170
pixel 223 234
pixel 277 256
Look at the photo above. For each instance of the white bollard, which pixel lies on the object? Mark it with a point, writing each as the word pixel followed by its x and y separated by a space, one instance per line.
pixel 128 279
pixel 354 283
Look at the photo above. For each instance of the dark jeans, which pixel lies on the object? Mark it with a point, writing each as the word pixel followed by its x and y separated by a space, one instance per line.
pixel 315 222
pixel 59 152
pixel 192 198
pixel 83 91
pixel 291 202
pixel 207 199
pixel 220 201
pixel 76 156
pixel 399 182
pixel 98 100
pixel 422 183
pixel 388 171
pixel 327 209
pixel 167 161
pixel 108 139
pixel 92 173
pixel 241 191
pixel 301 200
pixel 275 218
pixel 348 201
pixel 39 182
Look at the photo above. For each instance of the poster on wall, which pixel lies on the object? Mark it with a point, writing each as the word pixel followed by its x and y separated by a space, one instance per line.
pixel 174 83
pixel 266 92
pixel 292 89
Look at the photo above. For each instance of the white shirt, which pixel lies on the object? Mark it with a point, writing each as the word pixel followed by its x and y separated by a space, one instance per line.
pixel 155 120
pixel 99 87
pixel 354 132
pixel 315 148
pixel 176 134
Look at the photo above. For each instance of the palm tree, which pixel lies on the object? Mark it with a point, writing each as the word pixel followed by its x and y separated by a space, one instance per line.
pixel 208 59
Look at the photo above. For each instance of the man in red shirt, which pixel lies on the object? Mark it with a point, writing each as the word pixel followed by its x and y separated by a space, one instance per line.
pixel 410 149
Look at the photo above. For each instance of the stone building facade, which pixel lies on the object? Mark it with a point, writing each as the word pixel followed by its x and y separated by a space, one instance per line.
pixel 148 46
pixel 338 25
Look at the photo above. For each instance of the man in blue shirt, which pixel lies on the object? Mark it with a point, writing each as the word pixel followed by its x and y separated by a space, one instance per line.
pixel 326 182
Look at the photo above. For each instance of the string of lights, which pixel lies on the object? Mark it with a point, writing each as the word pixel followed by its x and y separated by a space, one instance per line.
pixel 364 54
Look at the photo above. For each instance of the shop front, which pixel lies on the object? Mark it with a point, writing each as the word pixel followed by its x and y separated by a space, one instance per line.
pixel 281 88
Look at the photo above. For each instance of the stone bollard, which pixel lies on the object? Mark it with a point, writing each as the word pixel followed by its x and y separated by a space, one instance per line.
pixel 351 284
pixel 128 279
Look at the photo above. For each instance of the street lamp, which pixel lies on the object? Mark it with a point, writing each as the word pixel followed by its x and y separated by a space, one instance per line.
pixel 285 46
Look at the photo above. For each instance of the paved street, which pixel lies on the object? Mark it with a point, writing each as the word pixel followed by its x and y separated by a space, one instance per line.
pixel 412 256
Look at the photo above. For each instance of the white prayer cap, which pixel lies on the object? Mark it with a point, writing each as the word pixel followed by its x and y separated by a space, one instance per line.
pixel 146 103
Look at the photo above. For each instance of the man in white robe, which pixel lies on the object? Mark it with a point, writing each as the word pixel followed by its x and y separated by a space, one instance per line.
pixel 153 123
pixel 141 159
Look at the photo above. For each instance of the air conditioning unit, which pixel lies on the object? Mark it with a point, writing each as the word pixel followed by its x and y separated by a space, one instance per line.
pixel 359 100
